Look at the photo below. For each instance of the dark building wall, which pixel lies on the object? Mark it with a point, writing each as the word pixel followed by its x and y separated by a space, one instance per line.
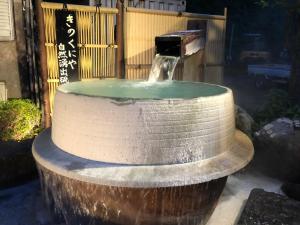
pixel 13 55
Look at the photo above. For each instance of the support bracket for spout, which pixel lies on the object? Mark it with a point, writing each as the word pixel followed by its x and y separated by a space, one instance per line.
pixel 180 43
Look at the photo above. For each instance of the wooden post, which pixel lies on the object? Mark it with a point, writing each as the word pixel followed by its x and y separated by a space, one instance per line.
pixel 120 39
pixel 43 63
pixel 224 45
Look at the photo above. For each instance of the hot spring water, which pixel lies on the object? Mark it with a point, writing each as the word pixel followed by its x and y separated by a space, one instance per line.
pixel 163 66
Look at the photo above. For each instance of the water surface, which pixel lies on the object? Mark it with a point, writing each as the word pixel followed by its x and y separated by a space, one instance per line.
pixel 129 89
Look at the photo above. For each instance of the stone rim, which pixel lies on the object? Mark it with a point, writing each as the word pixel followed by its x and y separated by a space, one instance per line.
pixel 53 158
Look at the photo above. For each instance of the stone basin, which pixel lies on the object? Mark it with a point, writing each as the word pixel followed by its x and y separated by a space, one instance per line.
pixel 133 152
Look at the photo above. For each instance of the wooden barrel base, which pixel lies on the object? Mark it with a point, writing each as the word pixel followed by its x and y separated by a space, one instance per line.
pixel 83 203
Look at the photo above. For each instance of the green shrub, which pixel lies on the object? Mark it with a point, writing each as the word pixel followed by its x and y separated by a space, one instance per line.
pixel 278 105
pixel 19 120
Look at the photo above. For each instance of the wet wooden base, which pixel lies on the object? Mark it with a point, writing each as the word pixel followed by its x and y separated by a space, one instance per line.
pixel 78 202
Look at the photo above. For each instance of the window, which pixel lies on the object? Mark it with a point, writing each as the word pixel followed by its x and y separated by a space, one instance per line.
pixel 161 6
pixel 3 91
pixel 152 5
pixel 141 3
pixel 6 20
pixel 130 3
pixel 171 7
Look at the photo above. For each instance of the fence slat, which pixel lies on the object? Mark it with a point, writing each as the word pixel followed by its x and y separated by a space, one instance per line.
pixel 95 27
pixel 143 25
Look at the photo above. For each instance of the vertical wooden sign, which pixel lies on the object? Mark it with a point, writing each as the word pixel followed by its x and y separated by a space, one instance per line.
pixel 67 49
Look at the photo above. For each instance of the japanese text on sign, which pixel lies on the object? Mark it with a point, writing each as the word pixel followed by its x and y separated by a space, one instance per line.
pixel 67 51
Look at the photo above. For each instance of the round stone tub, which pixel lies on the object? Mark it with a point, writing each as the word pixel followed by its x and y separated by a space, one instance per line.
pixel 132 152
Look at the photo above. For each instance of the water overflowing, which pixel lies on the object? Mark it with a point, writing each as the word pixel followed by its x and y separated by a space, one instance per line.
pixel 74 202
pixel 163 66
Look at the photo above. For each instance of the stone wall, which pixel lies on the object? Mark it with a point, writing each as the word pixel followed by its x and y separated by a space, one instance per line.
pixel 13 56
pixel 9 71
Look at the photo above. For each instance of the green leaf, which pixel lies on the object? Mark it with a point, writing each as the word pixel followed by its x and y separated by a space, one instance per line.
pixel 20 119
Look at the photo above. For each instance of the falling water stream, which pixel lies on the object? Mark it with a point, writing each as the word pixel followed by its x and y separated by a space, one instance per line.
pixel 163 66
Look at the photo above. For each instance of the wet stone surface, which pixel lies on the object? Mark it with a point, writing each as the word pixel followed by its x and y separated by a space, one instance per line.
pixel 267 208
pixel 279 143
pixel 24 205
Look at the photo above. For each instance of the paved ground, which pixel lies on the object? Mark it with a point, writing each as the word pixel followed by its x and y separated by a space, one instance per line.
pixel 236 193
pixel 23 205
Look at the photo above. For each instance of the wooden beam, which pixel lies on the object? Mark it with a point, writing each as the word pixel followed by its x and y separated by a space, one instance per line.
pixel 172 13
pixel 43 64
pixel 120 39
pixel 85 8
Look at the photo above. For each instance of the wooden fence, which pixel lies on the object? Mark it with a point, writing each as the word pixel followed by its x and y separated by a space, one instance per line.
pixel 170 5
pixel 97 47
pixel 96 42
pixel 142 26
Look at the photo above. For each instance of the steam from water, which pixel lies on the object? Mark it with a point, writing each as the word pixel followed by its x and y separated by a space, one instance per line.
pixel 163 65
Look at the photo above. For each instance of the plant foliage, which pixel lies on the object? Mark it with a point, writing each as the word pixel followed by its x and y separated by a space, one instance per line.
pixel 19 120
pixel 278 105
